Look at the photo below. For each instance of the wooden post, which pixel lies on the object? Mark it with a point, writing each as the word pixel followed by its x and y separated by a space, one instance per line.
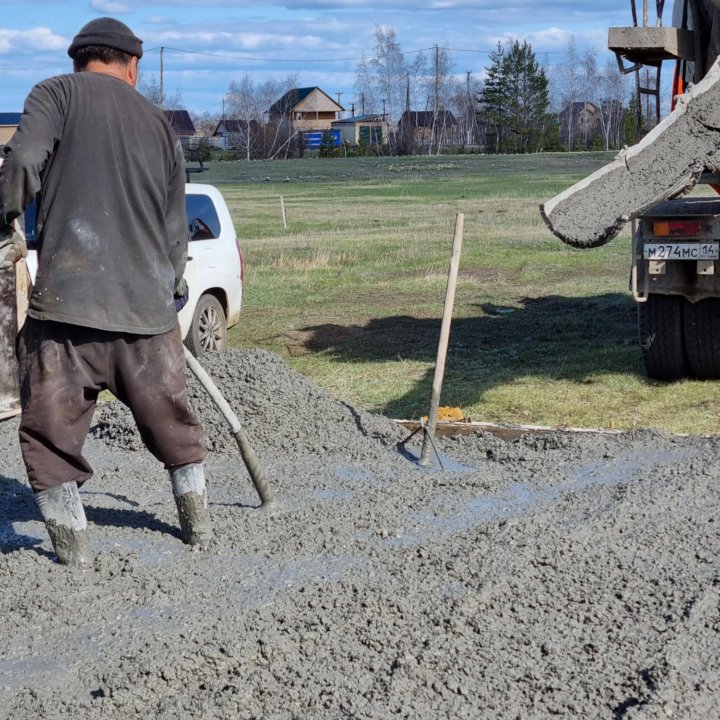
pixel 429 432
pixel 283 212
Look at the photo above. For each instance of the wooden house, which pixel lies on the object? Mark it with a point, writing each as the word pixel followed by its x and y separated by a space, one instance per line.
pixel 580 124
pixel 305 109
pixel 8 124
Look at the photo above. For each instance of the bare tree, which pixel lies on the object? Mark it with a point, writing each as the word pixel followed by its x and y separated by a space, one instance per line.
pixel 388 83
pixel 246 105
pixel 439 88
pixel 365 87
pixel 204 123
pixel 149 86
pixel 569 80
pixel 463 103
pixel 390 70
pixel 613 89
pixel 589 81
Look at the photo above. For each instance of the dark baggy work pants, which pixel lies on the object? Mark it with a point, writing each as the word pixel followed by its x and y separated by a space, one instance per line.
pixel 64 367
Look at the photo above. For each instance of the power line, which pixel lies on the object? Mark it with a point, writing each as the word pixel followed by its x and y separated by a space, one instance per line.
pixel 256 58
pixel 252 57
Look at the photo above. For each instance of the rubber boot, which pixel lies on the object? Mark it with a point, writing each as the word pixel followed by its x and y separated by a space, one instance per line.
pixel 62 511
pixel 190 491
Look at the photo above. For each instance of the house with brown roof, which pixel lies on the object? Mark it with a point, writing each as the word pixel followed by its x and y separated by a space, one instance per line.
pixel 182 124
pixel 305 109
pixel 422 125
pixel 232 134
pixel 8 124
pixel 580 124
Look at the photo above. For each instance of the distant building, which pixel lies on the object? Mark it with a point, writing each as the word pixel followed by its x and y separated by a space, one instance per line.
pixel 8 124
pixel 420 126
pixel 182 124
pixel 362 129
pixel 580 124
pixel 305 109
pixel 234 134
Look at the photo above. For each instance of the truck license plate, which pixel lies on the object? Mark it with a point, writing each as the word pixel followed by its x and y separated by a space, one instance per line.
pixel 682 251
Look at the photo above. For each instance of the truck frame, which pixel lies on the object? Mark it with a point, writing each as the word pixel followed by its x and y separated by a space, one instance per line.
pixel 675 274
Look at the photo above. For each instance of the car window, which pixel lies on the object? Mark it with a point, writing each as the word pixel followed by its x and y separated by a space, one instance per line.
pixel 29 229
pixel 203 220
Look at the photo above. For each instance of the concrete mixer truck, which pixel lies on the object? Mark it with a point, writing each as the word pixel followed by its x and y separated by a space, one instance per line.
pixel 675 273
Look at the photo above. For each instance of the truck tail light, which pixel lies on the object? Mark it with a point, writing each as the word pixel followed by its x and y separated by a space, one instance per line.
pixel 673 228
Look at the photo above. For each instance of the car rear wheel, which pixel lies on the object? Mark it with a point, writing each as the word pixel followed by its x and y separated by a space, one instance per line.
pixel 208 331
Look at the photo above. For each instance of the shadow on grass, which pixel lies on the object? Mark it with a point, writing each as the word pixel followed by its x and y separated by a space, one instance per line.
pixel 553 337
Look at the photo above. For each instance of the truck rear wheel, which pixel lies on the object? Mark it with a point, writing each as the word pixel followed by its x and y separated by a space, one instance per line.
pixel 702 338
pixel 662 339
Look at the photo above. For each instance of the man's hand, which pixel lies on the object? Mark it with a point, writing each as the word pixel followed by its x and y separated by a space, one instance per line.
pixel 12 247
pixel 181 295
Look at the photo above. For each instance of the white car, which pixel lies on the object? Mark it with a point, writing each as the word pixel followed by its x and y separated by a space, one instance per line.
pixel 214 272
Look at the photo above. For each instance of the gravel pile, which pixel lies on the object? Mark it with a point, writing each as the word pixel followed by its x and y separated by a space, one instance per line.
pixel 558 575
pixel 278 407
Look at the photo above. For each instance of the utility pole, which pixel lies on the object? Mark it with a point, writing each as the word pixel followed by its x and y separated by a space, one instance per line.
pixel 162 86
pixel 435 100
pixel 406 127
pixel 339 95
pixel 470 117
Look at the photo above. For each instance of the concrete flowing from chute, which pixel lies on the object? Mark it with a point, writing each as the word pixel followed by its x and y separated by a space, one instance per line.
pixel 570 575
pixel 666 163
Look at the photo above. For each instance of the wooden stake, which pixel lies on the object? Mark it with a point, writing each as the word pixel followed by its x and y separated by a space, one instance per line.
pixel 284 212
pixel 429 430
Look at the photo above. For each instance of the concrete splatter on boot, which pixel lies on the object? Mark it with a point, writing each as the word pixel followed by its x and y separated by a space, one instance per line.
pixel 190 491
pixel 64 516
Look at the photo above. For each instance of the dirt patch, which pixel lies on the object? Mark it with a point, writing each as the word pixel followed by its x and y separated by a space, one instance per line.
pixel 554 575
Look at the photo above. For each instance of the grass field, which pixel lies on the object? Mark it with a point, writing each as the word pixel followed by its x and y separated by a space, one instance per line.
pixel 351 293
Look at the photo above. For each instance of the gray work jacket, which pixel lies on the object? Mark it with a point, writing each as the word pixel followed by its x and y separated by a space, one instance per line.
pixel 111 223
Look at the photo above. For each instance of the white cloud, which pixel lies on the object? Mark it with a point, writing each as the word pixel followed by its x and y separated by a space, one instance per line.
pixel 554 39
pixel 36 39
pixel 107 6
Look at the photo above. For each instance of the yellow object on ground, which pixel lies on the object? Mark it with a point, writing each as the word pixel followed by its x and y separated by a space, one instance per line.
pixel 449 414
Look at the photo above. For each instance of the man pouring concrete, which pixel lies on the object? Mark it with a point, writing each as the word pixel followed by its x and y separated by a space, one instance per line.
pixel 109 177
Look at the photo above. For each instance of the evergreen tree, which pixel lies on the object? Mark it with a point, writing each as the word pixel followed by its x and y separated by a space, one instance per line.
pixel 514 100
pixel 632 131
pixel 493 98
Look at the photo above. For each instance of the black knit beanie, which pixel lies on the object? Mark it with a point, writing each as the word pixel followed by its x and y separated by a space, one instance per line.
pixel 107 32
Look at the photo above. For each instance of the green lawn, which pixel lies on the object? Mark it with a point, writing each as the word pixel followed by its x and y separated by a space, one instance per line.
pixel 351 293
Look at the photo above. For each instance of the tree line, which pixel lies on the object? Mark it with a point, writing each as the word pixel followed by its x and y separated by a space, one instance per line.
pixel 520 105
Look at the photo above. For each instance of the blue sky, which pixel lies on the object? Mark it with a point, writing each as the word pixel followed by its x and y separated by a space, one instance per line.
pixel 209 43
